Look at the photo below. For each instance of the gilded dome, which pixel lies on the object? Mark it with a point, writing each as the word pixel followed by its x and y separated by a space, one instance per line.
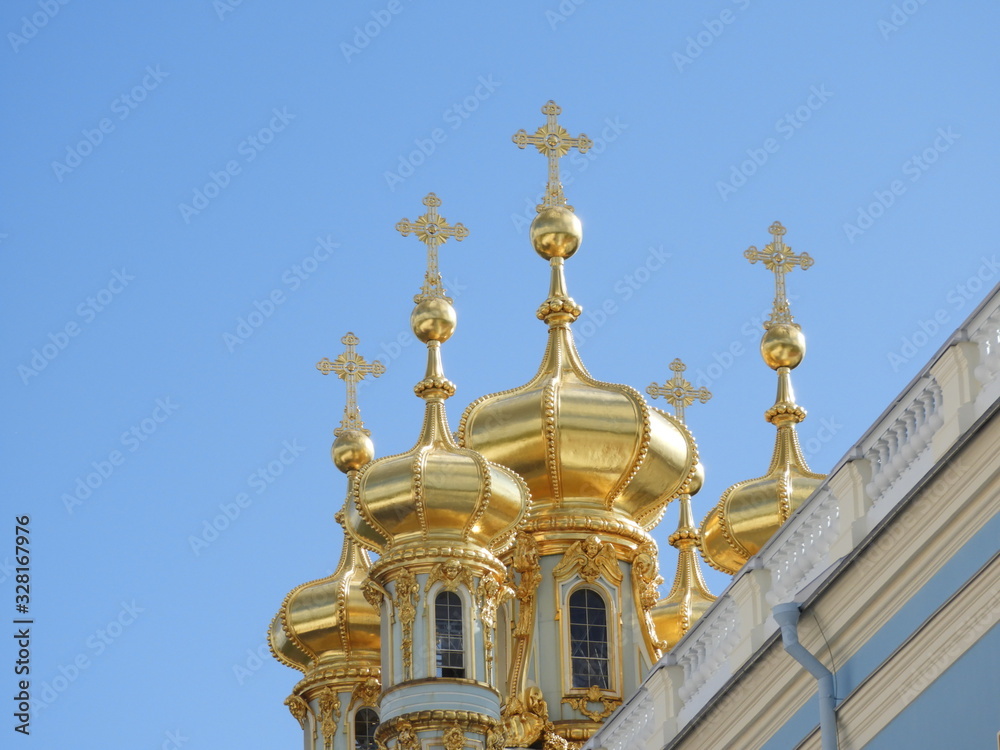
pixel 751 511
pixel 437 493
pixel 576 441
pixel 328 622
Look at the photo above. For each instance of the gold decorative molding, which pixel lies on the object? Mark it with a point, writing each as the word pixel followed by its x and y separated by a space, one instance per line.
pixel 406 738
pixel 407 595
pixel 366 693
pixel 496 738
pixel 525 563
pixel 453 737
pixel 525 717
pixel 591 559
pixel 298 708
pixel 374 593
pixel 451 573
pixel 593 695
pixel 646 580
pixel 329 715
pixel 492 592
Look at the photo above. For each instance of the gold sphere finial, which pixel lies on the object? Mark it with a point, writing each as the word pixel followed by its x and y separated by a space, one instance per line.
pixel 783 345
pixel 351 450
pixel 433 319
pixel 556 232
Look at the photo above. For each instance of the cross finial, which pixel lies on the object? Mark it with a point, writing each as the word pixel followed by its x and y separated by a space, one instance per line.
pixel 433 230
pixel 678 391
pixel 351 367
pixel 780 259
pixel 552 140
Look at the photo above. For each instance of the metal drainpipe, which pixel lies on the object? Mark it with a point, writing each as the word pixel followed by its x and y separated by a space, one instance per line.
pixel 787 617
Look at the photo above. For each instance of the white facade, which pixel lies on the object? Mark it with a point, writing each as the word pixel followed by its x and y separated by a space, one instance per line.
pixel 894 563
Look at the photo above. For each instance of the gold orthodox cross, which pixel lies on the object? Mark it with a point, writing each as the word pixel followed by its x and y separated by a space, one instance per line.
pixel 780 259
pixel 351 367
pixel 552 140
pixel 678 391
pixel 433 230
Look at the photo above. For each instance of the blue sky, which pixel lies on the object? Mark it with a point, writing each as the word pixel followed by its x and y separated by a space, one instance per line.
pixel 308 130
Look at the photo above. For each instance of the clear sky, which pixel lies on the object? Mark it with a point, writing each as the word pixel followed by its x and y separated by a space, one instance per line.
pixel 176 172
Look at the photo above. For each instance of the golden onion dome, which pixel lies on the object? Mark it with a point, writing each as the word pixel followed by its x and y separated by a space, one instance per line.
pixel 437 493
pixel 750 512
pixel 582 445
pixel 328 622
pixel 689 596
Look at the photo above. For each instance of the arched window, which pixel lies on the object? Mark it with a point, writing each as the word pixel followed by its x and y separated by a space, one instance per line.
pixel 365 721
pixel 450 636
pixel 588 632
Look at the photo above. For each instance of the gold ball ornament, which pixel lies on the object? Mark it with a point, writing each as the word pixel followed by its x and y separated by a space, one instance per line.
pixel 556 233
pixel 351 450
pixel 783 345
pixel 433 320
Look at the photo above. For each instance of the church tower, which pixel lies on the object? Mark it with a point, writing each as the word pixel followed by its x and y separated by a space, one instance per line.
pixel 326 628
pixel 439 516
pixel 601 465
pixel 750 512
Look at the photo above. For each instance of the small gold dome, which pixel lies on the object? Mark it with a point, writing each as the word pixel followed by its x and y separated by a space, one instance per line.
pixel 433 320
pixel 697 480
pixel 351 450
pixel 328 622
pixel 556 232
pixel 783 345
pixel 437 493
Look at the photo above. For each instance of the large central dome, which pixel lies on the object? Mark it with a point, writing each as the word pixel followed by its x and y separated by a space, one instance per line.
pixel 586 449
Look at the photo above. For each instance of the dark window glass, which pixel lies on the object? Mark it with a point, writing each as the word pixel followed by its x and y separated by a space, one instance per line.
pixel 450 641
pixel 365 722
pixel 588 634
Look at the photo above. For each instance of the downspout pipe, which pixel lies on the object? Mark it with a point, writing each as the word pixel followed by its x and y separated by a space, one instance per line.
pixel 787 617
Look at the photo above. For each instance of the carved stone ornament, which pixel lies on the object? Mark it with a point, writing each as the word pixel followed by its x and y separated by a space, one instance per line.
pixel 590 559
pixel 593 695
